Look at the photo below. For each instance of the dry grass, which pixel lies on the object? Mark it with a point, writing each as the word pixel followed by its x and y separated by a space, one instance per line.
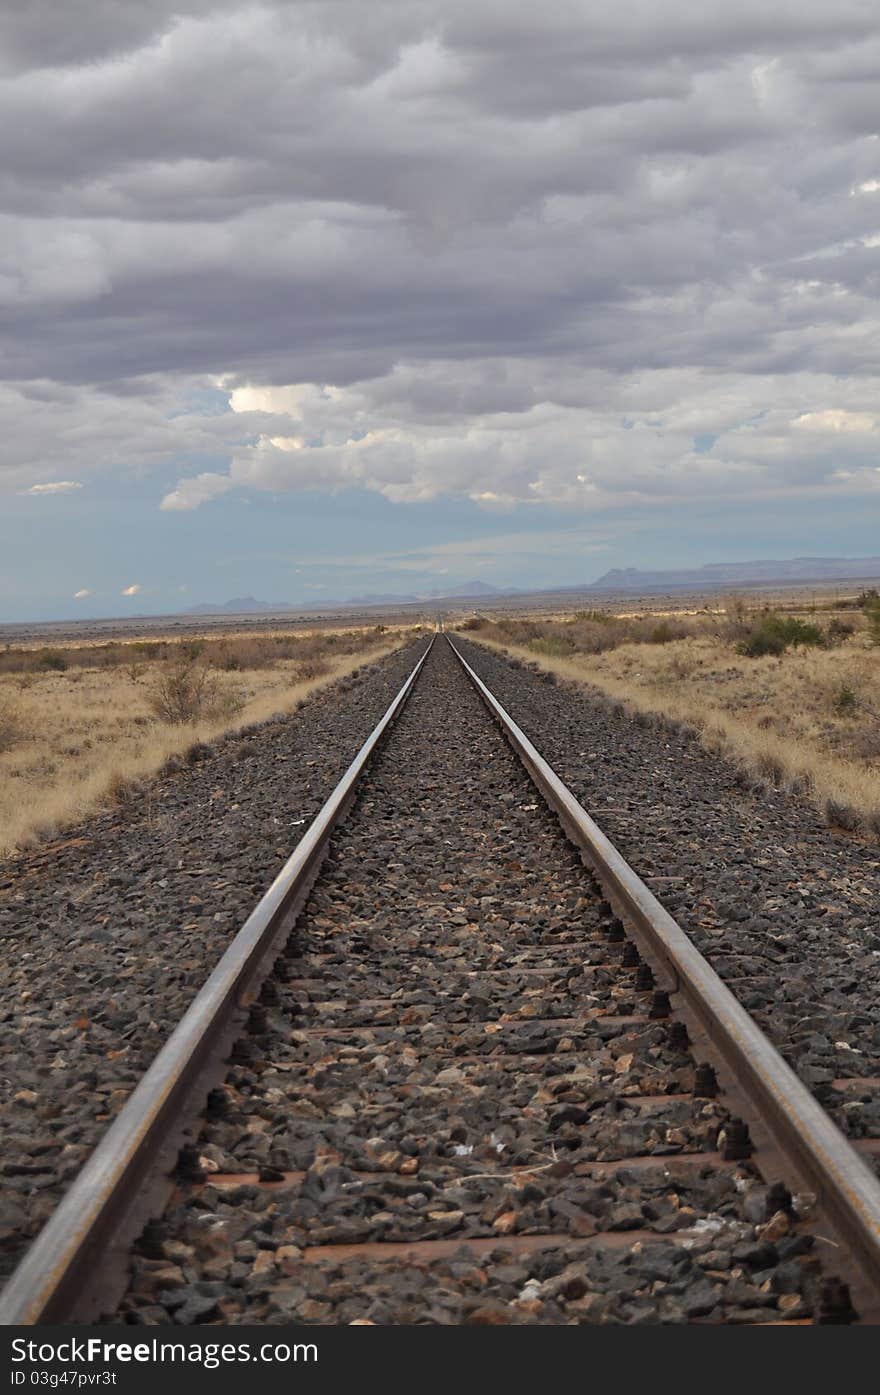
pixel 245 649
pixel 808 720
pixel 74 740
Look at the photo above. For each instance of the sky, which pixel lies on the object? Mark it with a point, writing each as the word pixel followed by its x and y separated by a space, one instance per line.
pixel 315 299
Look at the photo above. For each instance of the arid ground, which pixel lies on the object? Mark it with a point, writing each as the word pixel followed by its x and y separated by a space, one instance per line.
pixel 789 690
pixel 82 723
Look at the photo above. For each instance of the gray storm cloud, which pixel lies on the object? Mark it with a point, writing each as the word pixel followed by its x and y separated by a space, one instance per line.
pixel 576 253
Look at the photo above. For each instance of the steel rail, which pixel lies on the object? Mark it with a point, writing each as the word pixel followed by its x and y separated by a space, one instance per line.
pixel 75 1268
pixel 847 1190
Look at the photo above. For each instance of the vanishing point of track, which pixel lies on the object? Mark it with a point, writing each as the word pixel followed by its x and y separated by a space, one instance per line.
pixel 460 1067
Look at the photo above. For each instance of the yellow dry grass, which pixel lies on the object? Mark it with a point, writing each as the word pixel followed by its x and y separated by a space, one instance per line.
pixel 780 717
pixel 74 740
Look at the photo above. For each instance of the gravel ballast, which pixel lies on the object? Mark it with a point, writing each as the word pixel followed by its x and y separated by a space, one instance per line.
pixel 107 935
pixel 450 1053
pixel 786 909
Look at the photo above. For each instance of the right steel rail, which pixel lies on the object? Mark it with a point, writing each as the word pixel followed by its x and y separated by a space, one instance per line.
pixel 847 1191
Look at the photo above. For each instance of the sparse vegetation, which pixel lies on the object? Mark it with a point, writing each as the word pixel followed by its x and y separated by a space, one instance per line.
pixel 76 737
pixel 841 815
pixel 187 691
pixel 232 653
pixel 774 633
pixel 11 723
pixel 839 630
pixel 50 660
pixel 588 631
pixel 787 698
pixel 846 702
pixel 598 617
pixel 312 667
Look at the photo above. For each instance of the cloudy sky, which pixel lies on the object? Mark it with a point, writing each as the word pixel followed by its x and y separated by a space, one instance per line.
pixel 306 300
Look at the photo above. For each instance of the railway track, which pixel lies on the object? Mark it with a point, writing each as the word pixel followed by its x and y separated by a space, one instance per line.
pixel 463 1069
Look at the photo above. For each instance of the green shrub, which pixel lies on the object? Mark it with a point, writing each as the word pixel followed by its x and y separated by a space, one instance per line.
pixel 846 702
pixel 760 641
pixel 774 633
pixel 553 647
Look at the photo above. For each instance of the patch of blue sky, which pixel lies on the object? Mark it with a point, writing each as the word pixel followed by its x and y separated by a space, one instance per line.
pixel 206 402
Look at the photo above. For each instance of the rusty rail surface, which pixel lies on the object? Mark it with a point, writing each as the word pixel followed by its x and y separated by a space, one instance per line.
pixel 75 1268
pixel 847 1191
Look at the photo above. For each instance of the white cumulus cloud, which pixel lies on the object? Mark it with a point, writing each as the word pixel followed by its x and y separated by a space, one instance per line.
pixel 81 595
pixel 190 493
pixel 55 487
pixel 131 590
pixel 572 254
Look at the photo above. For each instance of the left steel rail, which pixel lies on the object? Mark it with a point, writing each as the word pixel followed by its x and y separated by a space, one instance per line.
pixel 75 1270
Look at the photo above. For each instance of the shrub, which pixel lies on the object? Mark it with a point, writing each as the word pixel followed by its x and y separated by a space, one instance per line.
pixel 11 725
pixel 186 691
pixel 774 633
pixel 866 743
pixel 596 636
pixel 310 668
pixel 553 647
pixel 762 640
pixel 845 702
pixel 51 660
pixel 770 767
pixel 120 791
pixel 839 630
pixel 840 815
pixel 872 615
pixel 738 618
pixel 236 655
pixel 801 632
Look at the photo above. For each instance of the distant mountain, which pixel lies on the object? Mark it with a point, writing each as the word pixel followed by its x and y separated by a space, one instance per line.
pixel 468 591
pixel 739 573
pixel 471 589
pixel 381 598
pixel 620 579
pixel 242 605
pixel 247 605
